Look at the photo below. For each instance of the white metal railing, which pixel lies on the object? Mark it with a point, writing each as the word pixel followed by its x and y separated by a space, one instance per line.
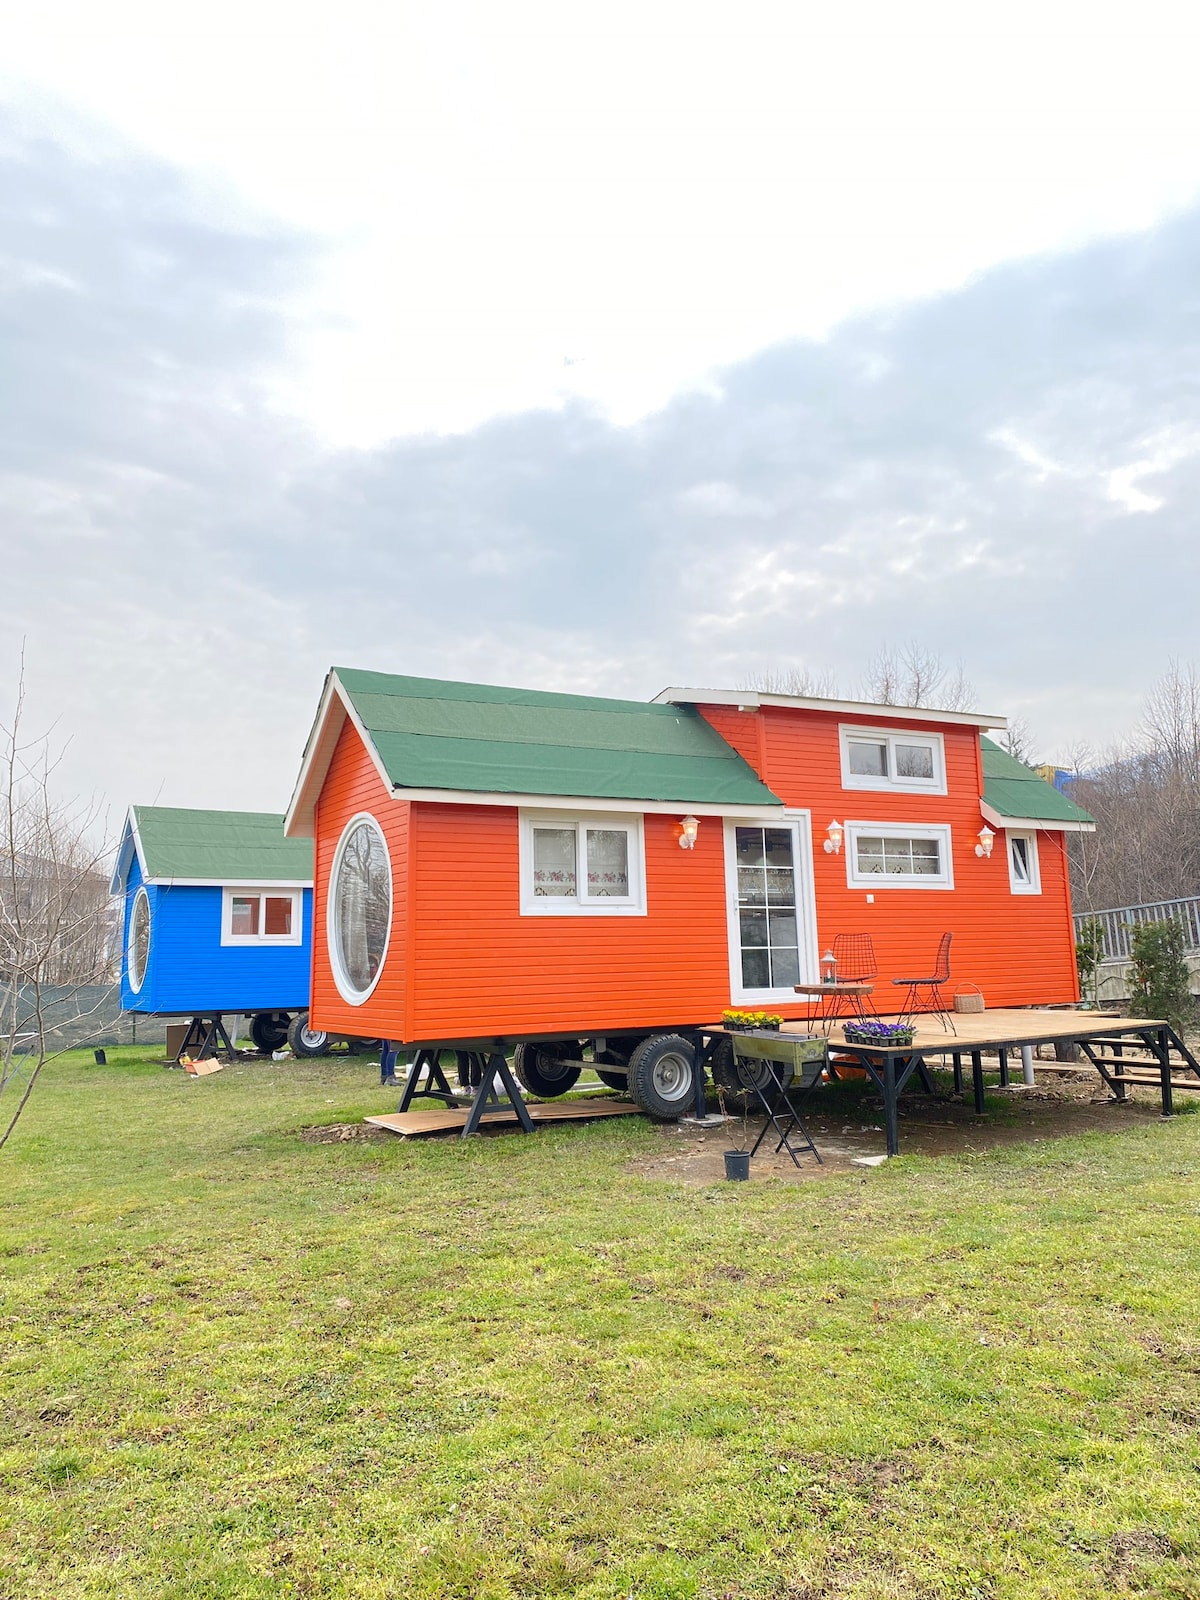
pixel 1119 921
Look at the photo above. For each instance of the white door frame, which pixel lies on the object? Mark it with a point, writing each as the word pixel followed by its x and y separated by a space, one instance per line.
pixel 800 823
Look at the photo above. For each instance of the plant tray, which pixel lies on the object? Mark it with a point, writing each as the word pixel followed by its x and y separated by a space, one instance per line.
pixel 885 1041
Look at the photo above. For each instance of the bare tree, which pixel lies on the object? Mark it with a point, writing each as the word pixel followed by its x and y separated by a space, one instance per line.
pixel 912 675
pixel 1018 740
pixel 799 680
pixel 1145 796
pixel 54 925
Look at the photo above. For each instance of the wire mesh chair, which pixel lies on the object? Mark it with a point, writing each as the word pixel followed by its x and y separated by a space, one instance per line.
pixel 932 984
pixel 854 954
pixel 855 957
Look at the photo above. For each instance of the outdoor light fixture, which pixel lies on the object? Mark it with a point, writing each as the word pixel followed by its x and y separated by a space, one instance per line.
pixel 984 847
pixel 690 827
pixel 833 845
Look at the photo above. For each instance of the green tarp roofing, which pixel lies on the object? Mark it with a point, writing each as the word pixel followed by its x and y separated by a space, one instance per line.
pixel 468 736
pixel 1015 790
pixel 221 846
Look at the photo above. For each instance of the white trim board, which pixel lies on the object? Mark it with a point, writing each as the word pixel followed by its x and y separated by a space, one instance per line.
pixel 806 908
pixel 574 802
pixel 753 699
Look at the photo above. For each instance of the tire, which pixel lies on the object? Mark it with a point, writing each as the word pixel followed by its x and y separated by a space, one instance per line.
pixel 737 1083
pixel 537 1071
pixel 269 1030
pixel 305 1041
pixel 662 1076
pixel 614 1080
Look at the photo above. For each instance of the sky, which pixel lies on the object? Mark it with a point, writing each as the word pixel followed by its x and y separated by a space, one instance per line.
pixel 583 346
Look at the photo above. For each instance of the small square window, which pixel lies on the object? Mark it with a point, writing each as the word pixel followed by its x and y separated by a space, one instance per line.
pixel 261 916
pixel 572 865
pixel 277 919
pixel 868 760
pixel 1024 876
pixel 244 920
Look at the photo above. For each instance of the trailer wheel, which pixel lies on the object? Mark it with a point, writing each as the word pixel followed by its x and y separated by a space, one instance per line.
pixel 538 1070
pixel 736 1082
pixel 269 1030
pixel 306 1041
pixel 614 1080
pixel 662 1074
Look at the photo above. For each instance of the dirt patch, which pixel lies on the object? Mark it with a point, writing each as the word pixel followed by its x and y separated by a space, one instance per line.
pixel 345 1133
pixel 851 1136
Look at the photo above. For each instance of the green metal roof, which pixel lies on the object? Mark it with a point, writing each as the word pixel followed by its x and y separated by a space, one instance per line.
pixel 220 846
pixel 1015 790
pixel 431 734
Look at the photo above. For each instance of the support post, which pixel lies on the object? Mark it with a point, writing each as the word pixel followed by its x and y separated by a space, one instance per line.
pixel 1163 1049
pixel 1027 1065
pixel 1003 1054
pixel 699 1109
pixel 977 1080
pixel 956 1059
pixel 890 1097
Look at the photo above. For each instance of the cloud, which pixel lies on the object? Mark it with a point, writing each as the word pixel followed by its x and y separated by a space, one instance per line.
pixel 1006 473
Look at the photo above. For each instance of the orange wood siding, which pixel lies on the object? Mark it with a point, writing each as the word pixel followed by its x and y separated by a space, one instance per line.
pixel 353 785
pixel 483 968
pixel 1019 949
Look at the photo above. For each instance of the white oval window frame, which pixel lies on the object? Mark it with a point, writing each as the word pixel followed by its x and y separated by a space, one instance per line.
pixel 351 995
pixel 141 895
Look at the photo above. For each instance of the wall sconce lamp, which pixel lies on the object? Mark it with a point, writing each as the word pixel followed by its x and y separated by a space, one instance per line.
pixel 833 844
pixel 984 847
pixel 690 827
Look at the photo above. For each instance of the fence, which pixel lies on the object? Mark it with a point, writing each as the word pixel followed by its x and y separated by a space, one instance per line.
pixel 82 1014
pixel 1119 922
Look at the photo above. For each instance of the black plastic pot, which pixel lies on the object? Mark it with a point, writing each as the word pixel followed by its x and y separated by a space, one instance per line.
pixel 101 1058
pixel 737 1165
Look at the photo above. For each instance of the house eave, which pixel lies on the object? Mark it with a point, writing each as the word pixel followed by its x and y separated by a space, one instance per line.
pixel 1047 824
pixel 756 699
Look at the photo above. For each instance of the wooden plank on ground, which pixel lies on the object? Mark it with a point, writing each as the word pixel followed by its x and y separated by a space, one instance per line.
pixel 413 1123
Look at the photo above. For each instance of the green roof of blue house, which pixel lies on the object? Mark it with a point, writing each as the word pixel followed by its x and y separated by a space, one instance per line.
pixel 1014 790
pixel 220 846
pixel 433 734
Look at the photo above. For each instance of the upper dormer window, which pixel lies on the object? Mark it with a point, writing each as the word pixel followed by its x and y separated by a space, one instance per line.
pixel 887 758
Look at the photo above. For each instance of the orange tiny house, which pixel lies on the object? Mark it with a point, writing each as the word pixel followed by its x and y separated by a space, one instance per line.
pixel 498 867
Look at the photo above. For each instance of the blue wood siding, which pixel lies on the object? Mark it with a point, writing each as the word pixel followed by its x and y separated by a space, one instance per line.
pixel 189 971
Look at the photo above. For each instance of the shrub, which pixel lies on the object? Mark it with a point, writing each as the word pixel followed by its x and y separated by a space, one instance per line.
pixel 1160 982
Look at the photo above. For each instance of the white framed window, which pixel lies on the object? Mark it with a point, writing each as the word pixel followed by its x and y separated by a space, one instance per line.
pixel 359 913
pixel 1024 875
pixel 898 855
pixel 138 948
pixel 261 916
pixel 890 758
pixel 772 919
pixel 590 865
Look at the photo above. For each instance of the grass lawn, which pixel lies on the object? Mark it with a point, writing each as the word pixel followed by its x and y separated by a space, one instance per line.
pixel 237 1363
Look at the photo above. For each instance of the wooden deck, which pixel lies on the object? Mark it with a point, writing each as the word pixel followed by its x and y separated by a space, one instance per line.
pixel 1000 1030
pixel 412 1124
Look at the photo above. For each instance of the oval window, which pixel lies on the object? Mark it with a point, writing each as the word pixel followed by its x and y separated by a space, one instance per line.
pixel 360 908
pixel 139 939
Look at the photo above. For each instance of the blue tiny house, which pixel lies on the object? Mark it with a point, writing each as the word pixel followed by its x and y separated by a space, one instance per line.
pixel 217 918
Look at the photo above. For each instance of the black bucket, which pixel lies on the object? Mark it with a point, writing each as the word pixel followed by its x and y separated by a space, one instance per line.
pixel 737 1165
pixel 101 1058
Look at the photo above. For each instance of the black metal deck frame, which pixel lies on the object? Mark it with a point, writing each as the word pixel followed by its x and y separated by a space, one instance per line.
pixel 889 1069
